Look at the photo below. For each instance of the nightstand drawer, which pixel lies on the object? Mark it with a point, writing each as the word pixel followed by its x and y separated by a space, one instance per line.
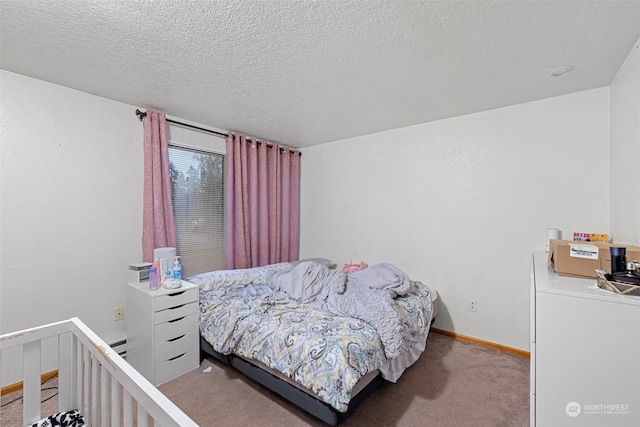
pixel 173 313
pixel 169 349
pixel 176 298
pixel 176 328
pixel 170 369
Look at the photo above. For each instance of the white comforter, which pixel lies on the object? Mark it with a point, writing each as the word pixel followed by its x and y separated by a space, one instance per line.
pixel 366 295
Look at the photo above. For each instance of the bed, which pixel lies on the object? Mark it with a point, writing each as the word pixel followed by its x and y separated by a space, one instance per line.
pixel 320 338
pixel 95 385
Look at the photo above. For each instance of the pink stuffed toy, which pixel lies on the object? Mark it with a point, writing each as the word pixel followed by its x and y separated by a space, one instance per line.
pixel 352 268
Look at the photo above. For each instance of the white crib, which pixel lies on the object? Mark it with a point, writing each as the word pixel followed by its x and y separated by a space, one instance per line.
pixel 92 378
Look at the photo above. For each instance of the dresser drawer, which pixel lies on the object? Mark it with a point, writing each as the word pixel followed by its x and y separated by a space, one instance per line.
pixel 176 312
pixel 175 299
pixel 181 364
pixel 169 349
pixel 176 328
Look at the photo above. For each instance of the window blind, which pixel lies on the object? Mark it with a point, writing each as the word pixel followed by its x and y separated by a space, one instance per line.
pixel 197 188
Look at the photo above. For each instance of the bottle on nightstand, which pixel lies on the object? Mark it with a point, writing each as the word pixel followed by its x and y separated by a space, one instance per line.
pixel 153 278
pixel 177 273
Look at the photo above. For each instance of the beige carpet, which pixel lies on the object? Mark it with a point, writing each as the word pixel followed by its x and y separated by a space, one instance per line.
pixel 453 384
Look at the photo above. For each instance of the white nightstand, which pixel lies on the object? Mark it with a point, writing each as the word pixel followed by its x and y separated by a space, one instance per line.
pixel 162 331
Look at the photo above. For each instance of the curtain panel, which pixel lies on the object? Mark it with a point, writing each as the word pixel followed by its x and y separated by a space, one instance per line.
pixel 263 202
pixel 158 224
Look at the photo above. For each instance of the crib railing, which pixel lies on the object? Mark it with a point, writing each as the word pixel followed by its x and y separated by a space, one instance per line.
pixel 92 378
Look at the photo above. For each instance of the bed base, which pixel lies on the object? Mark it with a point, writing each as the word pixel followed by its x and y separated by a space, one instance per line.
pixel 92 378
pixel 301 399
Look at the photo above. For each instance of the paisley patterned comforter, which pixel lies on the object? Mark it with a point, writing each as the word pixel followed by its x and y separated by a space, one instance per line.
pixel 325 353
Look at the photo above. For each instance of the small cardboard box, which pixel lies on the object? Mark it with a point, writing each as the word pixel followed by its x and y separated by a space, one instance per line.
pixel 581 259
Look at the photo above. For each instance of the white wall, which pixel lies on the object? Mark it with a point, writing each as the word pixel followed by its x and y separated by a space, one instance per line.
pixel 71 207
pixel 71 211
pixel 461 203
pixel 625 150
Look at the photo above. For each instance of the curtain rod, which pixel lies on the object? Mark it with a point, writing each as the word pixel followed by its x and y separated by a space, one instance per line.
pixel 142 114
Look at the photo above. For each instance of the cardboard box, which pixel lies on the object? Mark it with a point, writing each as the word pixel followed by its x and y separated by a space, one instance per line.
pixel 581 259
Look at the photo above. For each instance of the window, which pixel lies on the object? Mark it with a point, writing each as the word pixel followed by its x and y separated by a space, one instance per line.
pixel 197 188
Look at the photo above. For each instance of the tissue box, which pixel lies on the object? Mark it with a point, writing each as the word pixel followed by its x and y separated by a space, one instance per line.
pixel 581 259
pixel 139 272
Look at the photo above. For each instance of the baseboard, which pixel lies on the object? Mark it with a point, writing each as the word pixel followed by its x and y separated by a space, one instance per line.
pixel 483 343
pixel 18 386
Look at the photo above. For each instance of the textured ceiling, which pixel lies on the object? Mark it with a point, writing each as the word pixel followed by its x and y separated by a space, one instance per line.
pixel 304 73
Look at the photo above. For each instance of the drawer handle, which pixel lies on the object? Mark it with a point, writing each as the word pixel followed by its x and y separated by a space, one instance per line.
pixel 176 338
pixel 176 320
pixel 176 294
pixel 177 306
pixel 177 357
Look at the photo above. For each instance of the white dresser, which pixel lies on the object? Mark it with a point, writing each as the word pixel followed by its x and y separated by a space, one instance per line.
pixel 585 352
pixel 162 331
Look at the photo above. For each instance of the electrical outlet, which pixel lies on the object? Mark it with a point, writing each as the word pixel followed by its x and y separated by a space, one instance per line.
pixel 120 313
pixel 473 305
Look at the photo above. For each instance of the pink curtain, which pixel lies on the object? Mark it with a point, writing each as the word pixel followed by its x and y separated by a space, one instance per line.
pixel 263 203
pixel 158 225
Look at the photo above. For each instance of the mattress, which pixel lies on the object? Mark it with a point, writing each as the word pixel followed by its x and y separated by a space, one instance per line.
pixel 296 394
pixel 435 300
pixel 395 367
pixel 362 383
pixel 310 349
